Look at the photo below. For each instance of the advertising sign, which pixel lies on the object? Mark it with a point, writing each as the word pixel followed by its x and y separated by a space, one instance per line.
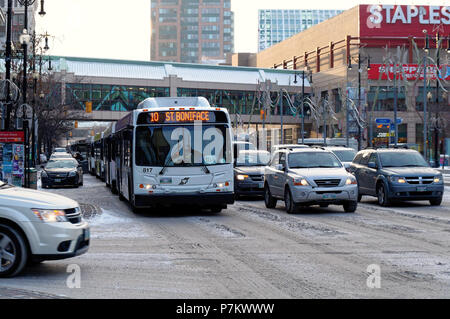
pixel 411 71
pixel 12 157
pixel 403 21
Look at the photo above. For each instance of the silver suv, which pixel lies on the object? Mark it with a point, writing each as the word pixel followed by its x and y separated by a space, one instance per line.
pixel 305 177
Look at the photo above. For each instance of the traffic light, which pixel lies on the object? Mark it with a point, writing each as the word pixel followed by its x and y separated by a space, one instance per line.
pixel 76 124
pixel 263 115
pixel 70 134
pixel 88 107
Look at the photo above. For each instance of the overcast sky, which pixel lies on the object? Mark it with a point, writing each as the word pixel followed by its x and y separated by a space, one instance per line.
pixel 119 29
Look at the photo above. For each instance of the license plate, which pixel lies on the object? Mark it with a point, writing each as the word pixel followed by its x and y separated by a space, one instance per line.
pixel 329 196
pixel 421 189
pixel 87 234
pixel 261 185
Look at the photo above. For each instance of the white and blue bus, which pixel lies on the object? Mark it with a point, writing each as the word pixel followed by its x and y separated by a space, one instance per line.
pixel 175 151
pixel 109 157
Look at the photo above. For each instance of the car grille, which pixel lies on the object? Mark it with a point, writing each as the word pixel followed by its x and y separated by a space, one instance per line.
pixel 420 180
pixel 257 178
pixel 327 182
pixel 57 175
pixel 73 215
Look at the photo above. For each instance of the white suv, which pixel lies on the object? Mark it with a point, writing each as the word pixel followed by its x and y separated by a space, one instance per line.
pixel 37 226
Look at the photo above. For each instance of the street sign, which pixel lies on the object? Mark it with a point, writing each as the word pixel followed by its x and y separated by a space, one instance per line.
pixel 383 121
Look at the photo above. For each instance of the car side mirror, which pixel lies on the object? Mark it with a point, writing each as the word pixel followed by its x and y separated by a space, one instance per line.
pixel 373 165
pixel 279 167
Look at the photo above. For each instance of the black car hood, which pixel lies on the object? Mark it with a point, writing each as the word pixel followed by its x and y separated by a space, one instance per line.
pixel 250 170
pixel 60 170
pixel 411 171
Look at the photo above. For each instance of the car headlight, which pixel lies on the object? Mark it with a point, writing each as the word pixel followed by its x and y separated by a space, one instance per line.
pixel 72 174
pixel 300 182
pixel 397 179
pixel 438 179
pixel 241 177
pixel 351 181
pixel 50 215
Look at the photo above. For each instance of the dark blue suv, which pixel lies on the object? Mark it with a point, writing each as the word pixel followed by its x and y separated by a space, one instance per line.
pixel 396 175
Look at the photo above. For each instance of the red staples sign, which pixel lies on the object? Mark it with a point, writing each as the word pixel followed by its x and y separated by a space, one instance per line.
pixel 403 21
pixel 410 71
pixel 12 137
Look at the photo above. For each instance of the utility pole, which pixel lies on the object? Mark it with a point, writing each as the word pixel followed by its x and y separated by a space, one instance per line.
pixel 395 106
pixel 303 107
pixel 436 125
pixel 281 113
pixel 425 130
pixel 359 99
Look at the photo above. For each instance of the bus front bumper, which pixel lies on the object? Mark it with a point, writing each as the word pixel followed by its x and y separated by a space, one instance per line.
pixel 203 200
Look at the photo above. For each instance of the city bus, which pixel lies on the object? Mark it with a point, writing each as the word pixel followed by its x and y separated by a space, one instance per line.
pixel 81 147
pixel 91 155
pixel 98 156
pixel 175 151
pixel 109 157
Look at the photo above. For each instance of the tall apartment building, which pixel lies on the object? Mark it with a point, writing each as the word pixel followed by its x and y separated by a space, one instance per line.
pixel 278 25
pixel 17 20
pixel 191 31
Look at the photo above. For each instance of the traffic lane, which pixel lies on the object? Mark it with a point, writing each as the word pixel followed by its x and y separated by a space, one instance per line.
pixel 247 251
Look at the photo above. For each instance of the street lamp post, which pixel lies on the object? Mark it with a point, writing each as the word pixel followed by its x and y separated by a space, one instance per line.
pixel 425 130
pixel 8 64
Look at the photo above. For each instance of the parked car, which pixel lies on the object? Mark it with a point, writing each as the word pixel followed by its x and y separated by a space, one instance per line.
pixel 63 172
pixel 37 226
pixel 345 154
pixel 397 175
pixel 305 177
pixel 287 146
pixel 249 173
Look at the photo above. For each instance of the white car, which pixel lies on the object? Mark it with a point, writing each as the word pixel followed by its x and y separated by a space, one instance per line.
pixel 37 226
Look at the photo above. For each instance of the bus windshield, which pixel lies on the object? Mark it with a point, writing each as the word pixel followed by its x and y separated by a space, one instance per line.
pixel 180 146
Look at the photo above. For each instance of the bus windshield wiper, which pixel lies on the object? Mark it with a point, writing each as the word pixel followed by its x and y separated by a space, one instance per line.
pixel 165 166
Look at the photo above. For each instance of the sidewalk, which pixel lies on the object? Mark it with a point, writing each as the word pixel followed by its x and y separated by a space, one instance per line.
pixel 12 293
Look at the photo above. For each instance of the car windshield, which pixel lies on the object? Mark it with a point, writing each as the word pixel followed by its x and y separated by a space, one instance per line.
pixel 61 164
pixel 253 158
pixel 176 146
pixel 313 160
pixel 58 150
pixel 402 159
pixel 345 155
pixel 62 156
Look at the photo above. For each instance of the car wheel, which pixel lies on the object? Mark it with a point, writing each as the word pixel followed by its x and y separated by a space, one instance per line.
pixel 350 207
pixel 216 209
pixel 289 202
pixel 382 195
pixel 436 201
pixel 13 252
pixel 270 201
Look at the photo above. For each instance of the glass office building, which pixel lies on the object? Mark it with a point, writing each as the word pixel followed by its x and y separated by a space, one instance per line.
pixel 278 25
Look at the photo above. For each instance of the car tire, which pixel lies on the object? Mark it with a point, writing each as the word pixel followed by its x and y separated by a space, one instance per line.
pixel 13 244
pixel 350 207
pixel 436 201
pixel 291 208
pixel 383 199
pixel 216 209
pixel 270 201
